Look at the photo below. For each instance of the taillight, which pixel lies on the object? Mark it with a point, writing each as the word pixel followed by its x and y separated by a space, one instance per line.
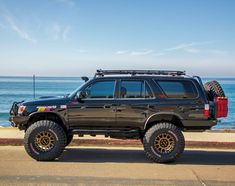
pixel 207 110
pixel 221 107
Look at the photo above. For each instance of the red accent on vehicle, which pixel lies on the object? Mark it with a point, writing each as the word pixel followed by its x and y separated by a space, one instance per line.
pixel 207 110
pixel 221 107
pixel 47 109
pixel 74 102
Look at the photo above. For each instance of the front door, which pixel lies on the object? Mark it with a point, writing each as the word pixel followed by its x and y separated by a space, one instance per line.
pixel 97 108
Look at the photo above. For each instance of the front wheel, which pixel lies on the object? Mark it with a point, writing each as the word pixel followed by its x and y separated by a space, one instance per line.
pixel 45 140
pixel 163 142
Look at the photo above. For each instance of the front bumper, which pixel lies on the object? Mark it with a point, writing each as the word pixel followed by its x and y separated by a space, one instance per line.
pixel 18 121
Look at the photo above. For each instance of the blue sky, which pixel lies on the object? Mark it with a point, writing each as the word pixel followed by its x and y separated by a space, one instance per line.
pixel 73 38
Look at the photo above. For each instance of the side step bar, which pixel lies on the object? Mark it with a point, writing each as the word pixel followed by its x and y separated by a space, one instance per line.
pixel 102 131
pixel 107 132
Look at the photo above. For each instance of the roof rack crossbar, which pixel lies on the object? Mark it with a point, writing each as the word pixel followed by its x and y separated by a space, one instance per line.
pixel 101 72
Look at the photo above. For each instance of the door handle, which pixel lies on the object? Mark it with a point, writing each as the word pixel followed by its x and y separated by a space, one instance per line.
pixel 151 106
pixel 107 106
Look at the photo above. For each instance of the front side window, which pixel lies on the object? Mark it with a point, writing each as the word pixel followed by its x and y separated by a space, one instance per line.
pixel 178 89
pixel 100 89
pixel 135 89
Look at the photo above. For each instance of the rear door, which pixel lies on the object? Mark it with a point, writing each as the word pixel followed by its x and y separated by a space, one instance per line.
pixel 133 102
pixel 183 96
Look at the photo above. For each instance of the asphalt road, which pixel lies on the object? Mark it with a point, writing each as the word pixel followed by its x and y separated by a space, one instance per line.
pixel 116 166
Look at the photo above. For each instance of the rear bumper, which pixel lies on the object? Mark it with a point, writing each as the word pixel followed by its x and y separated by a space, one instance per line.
pixel 203 124
pixel 18 121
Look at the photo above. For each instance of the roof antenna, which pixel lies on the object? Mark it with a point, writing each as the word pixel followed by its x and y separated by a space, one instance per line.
pixel 34 86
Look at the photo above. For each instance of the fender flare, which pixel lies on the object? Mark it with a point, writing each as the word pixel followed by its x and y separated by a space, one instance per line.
pixel 159 114
pixel 41 113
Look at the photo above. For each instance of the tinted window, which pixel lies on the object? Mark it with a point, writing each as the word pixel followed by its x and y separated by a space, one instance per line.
pixel 135 89
pixel 178 89
pixel 101 89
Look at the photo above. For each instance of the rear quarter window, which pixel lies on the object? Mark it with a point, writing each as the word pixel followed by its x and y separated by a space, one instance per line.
pixel 178 89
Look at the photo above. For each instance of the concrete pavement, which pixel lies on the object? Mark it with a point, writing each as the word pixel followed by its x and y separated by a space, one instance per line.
pixel 116 166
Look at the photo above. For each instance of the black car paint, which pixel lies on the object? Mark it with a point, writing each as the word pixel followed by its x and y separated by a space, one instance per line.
pixel 119 113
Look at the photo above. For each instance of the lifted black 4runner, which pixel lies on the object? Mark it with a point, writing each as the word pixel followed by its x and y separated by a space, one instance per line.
pixel 151 105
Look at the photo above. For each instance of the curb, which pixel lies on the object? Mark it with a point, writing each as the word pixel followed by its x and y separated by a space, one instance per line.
pixel 125 143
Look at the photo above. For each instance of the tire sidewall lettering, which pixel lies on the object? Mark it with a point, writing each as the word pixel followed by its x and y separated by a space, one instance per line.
pixel 173 134
pixel 32 147
pixel 54 134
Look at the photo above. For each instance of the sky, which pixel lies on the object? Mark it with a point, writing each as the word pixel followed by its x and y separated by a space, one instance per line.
pixel 76 37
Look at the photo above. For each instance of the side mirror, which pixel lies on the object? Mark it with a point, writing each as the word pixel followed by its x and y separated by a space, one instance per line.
pixel 84 78
pixel 80 95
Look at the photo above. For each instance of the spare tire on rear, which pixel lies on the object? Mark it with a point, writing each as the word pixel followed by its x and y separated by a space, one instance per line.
pixel 213 89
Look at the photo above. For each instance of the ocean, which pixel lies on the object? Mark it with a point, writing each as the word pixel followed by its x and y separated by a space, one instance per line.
pixel 21 88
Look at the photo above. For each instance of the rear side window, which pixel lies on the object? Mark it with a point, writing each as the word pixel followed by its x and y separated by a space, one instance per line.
pixel 135 89
pixel 178 89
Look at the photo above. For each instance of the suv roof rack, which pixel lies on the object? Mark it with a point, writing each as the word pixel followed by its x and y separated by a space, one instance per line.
pixel 101 72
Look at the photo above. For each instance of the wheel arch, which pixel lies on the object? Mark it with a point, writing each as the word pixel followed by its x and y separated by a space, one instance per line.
pixel 163 117
pixel 38 116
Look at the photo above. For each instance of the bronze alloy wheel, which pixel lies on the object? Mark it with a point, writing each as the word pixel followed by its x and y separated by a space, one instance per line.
pixel 44 141
pixel 164 143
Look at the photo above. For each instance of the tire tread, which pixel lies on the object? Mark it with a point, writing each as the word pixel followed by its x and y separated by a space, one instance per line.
pixel 152 130
pixel 51 155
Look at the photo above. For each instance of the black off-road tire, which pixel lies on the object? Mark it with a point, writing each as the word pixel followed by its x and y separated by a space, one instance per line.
pixel 213 89
pixel 69 139
pixel 160 129
pixel 56 132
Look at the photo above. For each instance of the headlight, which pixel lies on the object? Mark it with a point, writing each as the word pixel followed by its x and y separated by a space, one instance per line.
pixel 21 109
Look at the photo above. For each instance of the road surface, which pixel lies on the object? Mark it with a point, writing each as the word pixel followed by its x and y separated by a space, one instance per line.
pixel 116 166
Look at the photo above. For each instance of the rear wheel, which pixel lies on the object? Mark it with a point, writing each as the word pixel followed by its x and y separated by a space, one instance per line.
pixel 214 89
pixel 45 140
pixel 163 142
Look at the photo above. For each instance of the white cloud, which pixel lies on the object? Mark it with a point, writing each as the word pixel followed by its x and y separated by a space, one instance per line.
pixel 65 33
pixel 219 52
pixel 160 54
pixel 134 52
pixel 180 46
pixel 141 52
pixel 56 29
pixel 16 28
pixel 192 47
pixel 192 50
pixel 60 32
pixel 120 52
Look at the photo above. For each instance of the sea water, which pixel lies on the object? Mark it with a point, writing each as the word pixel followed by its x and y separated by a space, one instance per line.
pixel 21 88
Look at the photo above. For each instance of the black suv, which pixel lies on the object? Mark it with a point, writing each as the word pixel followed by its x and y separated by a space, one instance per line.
pixel 150 105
